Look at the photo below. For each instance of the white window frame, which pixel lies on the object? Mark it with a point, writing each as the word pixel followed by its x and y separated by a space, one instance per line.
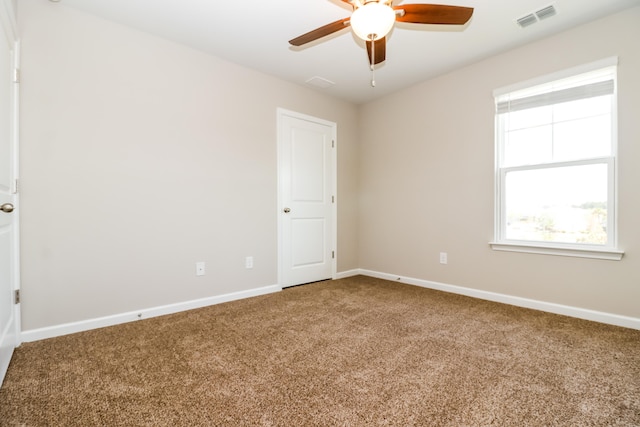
pixel 610 251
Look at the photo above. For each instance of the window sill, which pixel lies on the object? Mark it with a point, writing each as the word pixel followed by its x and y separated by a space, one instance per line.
pixel 572 251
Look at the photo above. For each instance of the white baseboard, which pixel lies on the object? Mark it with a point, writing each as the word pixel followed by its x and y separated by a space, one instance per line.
pixel 580 313
pixel 85 325
pixel 116 319
pixel 348 273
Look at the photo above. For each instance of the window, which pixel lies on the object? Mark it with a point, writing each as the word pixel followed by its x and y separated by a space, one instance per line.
pixel 556 164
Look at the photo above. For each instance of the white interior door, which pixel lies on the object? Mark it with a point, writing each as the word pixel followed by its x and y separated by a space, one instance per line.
pixel 9 327
pixel 306 176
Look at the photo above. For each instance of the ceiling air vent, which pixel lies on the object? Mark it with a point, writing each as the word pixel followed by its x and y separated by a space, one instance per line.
pixel 320 82
pixel 546 12
pixel 532 18
pixel 527 20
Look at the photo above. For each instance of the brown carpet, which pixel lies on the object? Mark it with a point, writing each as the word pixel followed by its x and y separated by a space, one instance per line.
pixel 351 352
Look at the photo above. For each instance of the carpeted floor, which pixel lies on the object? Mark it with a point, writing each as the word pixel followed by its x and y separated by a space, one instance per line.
pixel 350 352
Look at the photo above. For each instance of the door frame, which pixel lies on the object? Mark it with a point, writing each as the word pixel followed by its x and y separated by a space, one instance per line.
pixel 281 113
pixel 16 187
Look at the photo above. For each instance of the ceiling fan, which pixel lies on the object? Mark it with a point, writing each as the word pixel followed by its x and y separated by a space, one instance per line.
pixel 371 20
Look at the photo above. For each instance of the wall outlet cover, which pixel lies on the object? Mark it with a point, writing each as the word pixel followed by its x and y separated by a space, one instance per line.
pixel 200 268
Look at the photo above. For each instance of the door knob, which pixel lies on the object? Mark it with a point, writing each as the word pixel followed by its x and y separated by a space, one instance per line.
pixel 286 210
pixel 6 208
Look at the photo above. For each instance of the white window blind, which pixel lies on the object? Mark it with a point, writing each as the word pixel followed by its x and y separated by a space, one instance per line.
pixel 556 97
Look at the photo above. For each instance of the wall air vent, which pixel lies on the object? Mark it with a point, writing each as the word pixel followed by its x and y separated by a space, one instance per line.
pixel 539 15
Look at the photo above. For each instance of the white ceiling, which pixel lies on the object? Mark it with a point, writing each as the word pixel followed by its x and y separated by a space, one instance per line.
pixel 255 33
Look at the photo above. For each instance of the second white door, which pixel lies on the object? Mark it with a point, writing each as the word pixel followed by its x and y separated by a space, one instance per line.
pixel 9 310
pixel 306 175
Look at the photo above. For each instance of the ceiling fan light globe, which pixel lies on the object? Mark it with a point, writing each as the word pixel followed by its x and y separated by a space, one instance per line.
pixel 372 21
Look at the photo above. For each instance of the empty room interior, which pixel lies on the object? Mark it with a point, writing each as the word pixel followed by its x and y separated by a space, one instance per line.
pixel 321 227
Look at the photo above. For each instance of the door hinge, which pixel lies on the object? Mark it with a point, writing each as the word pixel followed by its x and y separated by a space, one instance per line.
pixel 333 254
pixel 333 199
pixel 16 296
pixel 16 75
pixel 333 143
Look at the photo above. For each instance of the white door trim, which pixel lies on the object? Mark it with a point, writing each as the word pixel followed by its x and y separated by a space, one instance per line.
pixel 16 193
pixel 281 112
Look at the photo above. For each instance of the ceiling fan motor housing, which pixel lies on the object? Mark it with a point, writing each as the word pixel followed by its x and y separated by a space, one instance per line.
pixel 373 20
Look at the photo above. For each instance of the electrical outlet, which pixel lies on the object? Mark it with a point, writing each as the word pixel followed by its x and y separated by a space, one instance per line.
pixel 443 257
pixel 248 262
pixel 200 268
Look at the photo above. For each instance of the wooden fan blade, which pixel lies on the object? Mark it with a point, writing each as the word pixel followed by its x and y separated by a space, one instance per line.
pixel 434 14
pixel 380 50
pixel 352 3
pixel 320 32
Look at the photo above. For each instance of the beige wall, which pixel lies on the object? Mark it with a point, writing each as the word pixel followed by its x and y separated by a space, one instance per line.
pixel 426 175
pixel 139 158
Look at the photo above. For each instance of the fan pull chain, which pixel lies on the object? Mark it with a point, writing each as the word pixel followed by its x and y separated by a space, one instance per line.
pixel 373 60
